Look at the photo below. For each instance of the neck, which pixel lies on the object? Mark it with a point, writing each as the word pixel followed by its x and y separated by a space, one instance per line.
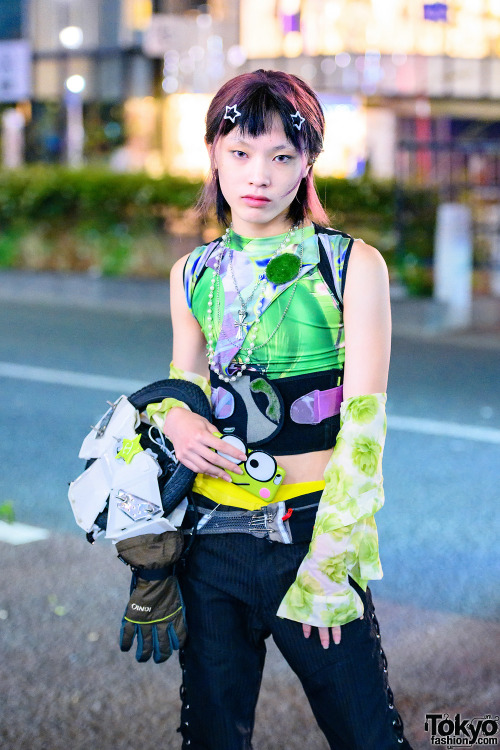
pixel 257 231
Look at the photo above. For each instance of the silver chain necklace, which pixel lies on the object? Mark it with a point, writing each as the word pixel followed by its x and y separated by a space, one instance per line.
pixel 244 356
pixel 242 312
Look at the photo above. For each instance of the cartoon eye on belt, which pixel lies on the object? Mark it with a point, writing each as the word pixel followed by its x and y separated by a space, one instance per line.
pixel 261 474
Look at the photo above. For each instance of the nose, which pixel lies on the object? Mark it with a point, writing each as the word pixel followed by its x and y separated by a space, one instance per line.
pixel 259 173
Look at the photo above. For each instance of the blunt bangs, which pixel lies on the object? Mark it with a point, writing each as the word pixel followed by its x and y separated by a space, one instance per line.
pixel 258 114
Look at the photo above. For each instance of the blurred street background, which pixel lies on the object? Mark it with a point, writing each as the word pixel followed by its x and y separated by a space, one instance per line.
pixel 102 106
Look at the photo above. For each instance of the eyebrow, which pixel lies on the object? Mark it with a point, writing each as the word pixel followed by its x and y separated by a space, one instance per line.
pixel 274 148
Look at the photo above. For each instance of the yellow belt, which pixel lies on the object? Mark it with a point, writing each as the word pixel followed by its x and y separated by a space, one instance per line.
pixel 226 493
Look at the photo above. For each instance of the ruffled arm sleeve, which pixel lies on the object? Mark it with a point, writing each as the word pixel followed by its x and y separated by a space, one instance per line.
pixel 345 537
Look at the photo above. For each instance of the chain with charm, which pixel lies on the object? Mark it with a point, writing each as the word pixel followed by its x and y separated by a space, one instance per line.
pixel 252 347
pixel 244 356
pixel 242 312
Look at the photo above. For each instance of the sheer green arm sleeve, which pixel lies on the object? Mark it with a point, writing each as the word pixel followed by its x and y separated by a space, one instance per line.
pixel 345 540
pixel 159 410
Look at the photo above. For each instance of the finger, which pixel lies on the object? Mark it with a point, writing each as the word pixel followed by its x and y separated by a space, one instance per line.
pixel 162 647
pixel 200 466
pixel 217 460
pixel 127 634
pixel 336 634
pixel 307 630
pixel 222 445
pixel 144 642
pixel 324 637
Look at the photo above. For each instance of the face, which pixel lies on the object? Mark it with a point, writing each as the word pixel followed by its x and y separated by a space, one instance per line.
pixel 259 178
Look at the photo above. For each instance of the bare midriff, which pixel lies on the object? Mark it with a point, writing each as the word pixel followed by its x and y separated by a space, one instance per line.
pixel 304 467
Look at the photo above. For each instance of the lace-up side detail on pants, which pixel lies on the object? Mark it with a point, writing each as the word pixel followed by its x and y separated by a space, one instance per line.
pixel 184 727
pixel 397 721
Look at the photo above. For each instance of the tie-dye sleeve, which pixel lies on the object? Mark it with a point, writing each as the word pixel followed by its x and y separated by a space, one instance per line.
pixel 344 540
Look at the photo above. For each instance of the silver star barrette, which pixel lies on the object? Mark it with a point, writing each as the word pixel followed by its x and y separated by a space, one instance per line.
pixel 300 120
pixel 232 117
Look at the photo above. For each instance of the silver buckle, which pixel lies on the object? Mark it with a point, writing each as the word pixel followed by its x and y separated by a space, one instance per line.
pixel 136 507
pixel 103 423
pixel 258 522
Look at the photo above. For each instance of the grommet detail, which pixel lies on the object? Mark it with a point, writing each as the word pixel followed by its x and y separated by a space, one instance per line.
pixel 397 722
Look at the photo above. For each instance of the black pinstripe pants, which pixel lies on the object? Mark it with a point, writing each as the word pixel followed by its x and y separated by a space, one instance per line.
pixel 232 585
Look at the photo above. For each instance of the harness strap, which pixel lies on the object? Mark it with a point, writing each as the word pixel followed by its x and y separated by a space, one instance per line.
pixel 315 406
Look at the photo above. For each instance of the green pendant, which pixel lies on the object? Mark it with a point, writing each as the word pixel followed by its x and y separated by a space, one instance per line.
pixel 283 268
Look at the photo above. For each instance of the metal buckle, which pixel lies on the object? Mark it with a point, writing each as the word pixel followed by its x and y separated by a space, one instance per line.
pixel 136 507
pixel 258 522
pixel 101 426
pixel 265 520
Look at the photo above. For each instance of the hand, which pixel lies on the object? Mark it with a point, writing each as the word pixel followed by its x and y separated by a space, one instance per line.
pixel 154 614
pixel 324 634
pixel 192 437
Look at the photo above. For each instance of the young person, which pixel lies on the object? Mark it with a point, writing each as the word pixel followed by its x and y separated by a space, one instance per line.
pixel 286 326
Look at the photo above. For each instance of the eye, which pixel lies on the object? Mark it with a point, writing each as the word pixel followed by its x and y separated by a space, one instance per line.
pixel 284 156
pixel 238 154
pixel 260 466
pixel 233 440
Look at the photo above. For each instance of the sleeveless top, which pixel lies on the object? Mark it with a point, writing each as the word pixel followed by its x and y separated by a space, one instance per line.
pixel 304 355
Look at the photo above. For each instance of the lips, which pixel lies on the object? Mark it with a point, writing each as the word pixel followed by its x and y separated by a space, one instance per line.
pixel 255 200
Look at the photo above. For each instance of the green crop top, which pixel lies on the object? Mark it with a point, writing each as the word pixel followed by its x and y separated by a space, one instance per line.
pixel 310 337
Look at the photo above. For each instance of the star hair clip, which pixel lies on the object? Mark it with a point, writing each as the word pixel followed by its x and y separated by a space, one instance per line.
pixel 232 116
pixel 298 120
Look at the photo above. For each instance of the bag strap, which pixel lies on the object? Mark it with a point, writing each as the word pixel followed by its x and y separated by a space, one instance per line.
pixel 335 255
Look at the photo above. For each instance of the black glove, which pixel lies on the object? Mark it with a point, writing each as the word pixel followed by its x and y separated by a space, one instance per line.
pixel 155 610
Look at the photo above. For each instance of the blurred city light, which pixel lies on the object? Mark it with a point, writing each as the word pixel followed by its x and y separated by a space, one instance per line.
pixel 344 148
pixel 138 13
pixel 399 61
pixel 204 21
pixel 71 37
pixel 343 59
pixel 75 84
pixel 236 56
pixel 183 138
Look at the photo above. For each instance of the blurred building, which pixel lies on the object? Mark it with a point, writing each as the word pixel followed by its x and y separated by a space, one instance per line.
pixel 392 74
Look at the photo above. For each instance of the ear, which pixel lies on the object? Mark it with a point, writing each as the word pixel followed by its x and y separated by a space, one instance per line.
pixel 211 152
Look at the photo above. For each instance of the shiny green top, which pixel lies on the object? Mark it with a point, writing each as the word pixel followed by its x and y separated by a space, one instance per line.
pixel 310 338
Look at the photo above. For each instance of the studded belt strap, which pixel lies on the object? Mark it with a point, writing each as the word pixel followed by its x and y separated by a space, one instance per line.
pixel 270 522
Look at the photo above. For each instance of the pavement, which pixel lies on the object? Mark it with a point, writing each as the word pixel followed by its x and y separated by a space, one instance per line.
pixel 65 682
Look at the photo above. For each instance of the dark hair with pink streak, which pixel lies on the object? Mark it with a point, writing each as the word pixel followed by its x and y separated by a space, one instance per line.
pixel 260 97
